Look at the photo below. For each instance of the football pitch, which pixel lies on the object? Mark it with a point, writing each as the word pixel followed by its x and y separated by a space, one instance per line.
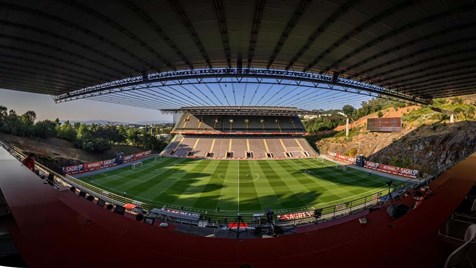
pixel 245 186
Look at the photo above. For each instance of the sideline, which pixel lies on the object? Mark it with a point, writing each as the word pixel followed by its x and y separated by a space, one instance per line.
pixel 99 171
pixel 382 174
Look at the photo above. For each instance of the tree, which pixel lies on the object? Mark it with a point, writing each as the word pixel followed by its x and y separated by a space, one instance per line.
pixel 29 117
pixel 3 115
pixel 45 129
pixel 348 110
pixel 3 112
pixel 66 131
pixel 379 114
pixel 95 145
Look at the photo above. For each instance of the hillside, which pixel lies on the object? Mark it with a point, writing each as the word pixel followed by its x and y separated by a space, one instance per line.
pixel 428 141
pixel 57 152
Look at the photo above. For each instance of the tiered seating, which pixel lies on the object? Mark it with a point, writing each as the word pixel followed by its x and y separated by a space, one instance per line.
pixel 254 125
pixel 208 123
pixel 172 145
pixel 239 147
pixel 297 124
pixel 292 147
pixel 275 147
pixel 221 123
pixel 221 147
pixel 239 124
pixel 193 122
pixel 185 146
pixel 202 147
pixel 307 148
pixel 222 135
pixel 257 147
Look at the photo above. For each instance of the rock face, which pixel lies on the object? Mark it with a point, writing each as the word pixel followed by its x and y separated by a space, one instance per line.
pixel 432 149
pixel 429 148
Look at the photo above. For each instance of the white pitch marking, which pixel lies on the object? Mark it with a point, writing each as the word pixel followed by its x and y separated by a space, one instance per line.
pixel 238 187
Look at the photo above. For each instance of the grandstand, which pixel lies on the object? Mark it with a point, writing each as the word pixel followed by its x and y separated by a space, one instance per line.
pixel 239 133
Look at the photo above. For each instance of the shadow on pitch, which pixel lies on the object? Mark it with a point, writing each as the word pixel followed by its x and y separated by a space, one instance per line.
pixel 349 177
pixel 214 202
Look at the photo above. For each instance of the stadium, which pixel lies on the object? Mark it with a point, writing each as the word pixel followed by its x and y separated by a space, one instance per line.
pixel 244 180
pixel 274 168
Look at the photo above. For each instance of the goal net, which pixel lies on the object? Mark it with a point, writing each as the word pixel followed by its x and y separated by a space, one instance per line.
pixel 135 165
pixel 341 167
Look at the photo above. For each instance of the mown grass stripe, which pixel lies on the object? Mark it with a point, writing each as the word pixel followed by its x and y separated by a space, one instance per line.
pixel 283 185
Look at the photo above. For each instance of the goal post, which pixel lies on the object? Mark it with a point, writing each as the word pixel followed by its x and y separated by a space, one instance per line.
pixel 341 167
pixel 138 164
pixel 320 159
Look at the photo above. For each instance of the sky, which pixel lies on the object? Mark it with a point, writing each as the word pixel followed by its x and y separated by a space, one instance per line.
pixel 111 107
pixel 79 110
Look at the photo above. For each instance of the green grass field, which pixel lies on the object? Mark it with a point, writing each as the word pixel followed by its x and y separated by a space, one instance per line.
pixel 240 185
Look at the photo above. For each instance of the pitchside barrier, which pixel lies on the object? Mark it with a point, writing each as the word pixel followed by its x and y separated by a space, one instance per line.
pixel 216 219
pixel 86 167
pixel 404 172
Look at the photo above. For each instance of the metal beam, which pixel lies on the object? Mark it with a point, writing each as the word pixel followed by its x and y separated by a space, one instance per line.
pixel 119 28
pixel 49 57
pixel 56 49
pixel 49 65
pixel 73 26
pixel 412 42
pixel 153 24
pixel 409 75
pixel 412 65
pixel 67 40
pixel 297 14
pixel 404 28
pixel 220 11
pixel 217 75
pixel 191 30
pixel 359 29
pixel 340 11
pixel 255 29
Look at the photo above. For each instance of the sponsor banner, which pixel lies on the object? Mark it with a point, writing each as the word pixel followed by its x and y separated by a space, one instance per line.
pixel 404 172
pixel 343 158
pixel 73 169
pixel 92 166
pixel 296 216
pixel 109 163
pixel 139 155
pixel 412 173
pixel 103 164
pixel 371 165
pixel 128 158
pixel 389 169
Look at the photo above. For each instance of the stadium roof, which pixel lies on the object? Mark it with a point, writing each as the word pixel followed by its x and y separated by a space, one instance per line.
pixel 421 49
pixel 241 110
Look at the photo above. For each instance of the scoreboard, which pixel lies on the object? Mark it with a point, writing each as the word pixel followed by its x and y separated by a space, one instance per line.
pixel 391 124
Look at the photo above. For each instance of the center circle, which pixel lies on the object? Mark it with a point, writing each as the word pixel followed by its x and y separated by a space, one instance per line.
pixel 238 177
